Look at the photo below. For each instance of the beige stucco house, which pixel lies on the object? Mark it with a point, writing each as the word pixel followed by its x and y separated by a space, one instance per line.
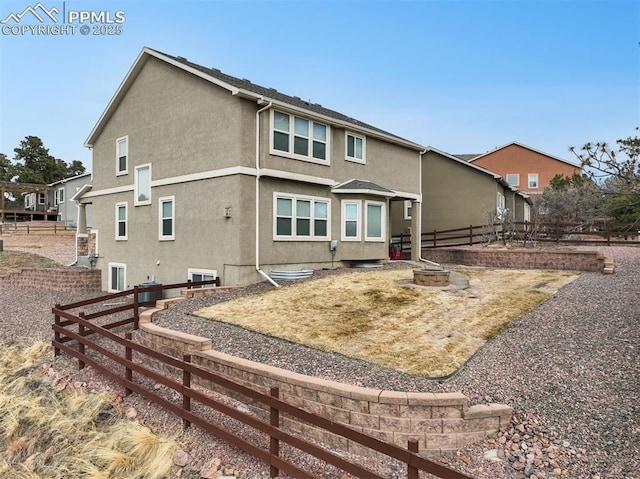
pixel 197 173
pixel 457 194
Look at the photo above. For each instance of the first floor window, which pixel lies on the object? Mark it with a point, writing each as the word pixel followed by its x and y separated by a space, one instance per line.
pixel 527 212
pixel 500 206
pixel 351 220
pixel 199 274
pixel 121 221
pixel 301 217
pixel 143 185
pixel 533 180
pixel 374 221
pixel 41 198
pixel 408 207
pixel 167 218
pixel 117 277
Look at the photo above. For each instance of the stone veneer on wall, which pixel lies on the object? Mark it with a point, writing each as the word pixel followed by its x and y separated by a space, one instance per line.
pixel 439 421
pixel 55 279
pixel 569 260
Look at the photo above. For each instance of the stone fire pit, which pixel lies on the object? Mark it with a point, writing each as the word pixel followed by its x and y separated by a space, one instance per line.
pixel 429 277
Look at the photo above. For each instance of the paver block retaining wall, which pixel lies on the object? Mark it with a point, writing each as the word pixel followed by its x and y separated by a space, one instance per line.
pixel 519 258
pixel 55 279
pixel 439 421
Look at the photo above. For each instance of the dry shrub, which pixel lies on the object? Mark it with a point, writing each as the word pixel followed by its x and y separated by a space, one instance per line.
pixel 51 434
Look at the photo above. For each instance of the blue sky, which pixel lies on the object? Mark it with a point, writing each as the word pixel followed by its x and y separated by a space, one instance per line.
pixel 463 77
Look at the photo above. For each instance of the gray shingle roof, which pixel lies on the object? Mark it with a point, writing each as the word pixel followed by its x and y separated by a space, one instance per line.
pixel 361 185
pixel 274 94
pixel 467 156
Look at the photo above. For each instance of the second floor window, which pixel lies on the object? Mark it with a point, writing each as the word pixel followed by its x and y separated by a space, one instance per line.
pixel 533 180
pixel 355 148
pixel 122 155
pixel 299 137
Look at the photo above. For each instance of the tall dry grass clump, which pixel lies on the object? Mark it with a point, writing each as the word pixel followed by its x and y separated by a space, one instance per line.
pixel 48 432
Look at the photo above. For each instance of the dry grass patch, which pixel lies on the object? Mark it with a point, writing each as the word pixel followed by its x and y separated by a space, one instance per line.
pixel 14 261
pixel 48 432
pixel 372 316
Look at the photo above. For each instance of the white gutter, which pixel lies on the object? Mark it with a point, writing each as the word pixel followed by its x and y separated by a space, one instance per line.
pixel 265 275
pixel 432 263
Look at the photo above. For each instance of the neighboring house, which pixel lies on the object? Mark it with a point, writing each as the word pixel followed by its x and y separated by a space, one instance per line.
pixel 56 198
pixel 457 194
pixel 39 200
pixel 61 196
pixel 524 167
pixel 198 173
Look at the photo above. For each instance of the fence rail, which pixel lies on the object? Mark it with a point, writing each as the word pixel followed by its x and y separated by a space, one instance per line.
pixel 597 233
pixel 126 366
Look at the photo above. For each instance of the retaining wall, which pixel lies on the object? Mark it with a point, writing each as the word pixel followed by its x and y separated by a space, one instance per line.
pixel 55 279
pixel 439 421
pixel 519 258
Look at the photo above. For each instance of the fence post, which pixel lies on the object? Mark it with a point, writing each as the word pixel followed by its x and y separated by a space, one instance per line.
pixel 27 228
pixel 128 373
pixel 136 307
pixel 606 225
pixel 56 334
pixel 55 228
pixel 557 232
pixel 81 363
pixel 274 443
pixel 188 284
pixel 470 235
pixel 434 239
pixel 412 472
pixel 186 383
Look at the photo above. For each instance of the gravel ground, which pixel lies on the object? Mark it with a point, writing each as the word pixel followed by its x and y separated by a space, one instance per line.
pixel 569 368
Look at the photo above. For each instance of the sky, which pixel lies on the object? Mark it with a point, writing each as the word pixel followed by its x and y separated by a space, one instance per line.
pixel 460 76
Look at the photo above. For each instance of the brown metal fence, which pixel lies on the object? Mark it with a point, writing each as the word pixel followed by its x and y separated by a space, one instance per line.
pixel 597 233
pixel 119 358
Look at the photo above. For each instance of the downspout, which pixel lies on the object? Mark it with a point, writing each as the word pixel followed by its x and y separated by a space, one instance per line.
pixel 432 263
pixel 265 275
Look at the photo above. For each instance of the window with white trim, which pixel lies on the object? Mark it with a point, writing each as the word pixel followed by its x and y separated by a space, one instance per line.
pixel 408 207
pixel 300 217
pixel 122 155
pixel 60 196
pixel 121 221
pixel 29 200
pixel 374 221
pixel 41 198
pixel 166 218
pixel 351 220
pixel 199 274
pixel 355 148
pixel 117 277
pixel 299 137
pixel 527 212
pixel 513 179
pixel 143 185
pixel 501 210
pixel 533 180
